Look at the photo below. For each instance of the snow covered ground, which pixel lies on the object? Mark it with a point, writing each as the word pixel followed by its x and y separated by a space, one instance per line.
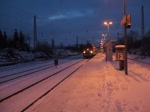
pixel 99 86
pixel 11 56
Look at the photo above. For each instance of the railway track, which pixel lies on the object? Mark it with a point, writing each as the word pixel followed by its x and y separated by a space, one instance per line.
pixel 139 61
pixel 23 73
pixel 27 94
pixel 21 65
pixel 30 64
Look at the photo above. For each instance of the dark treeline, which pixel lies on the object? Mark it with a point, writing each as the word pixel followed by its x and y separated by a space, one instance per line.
pixel 19 42
pixel 16 42
pixel 135 41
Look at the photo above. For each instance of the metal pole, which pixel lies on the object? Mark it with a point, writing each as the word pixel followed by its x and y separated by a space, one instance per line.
pixel 35 34
pixel 142 32
pixel 125 38
pixel 108 31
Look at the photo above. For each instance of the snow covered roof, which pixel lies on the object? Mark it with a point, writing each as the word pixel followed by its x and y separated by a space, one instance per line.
pixel 120 46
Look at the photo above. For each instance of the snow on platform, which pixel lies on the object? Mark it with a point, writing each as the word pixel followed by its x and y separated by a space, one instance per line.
pixel 99 86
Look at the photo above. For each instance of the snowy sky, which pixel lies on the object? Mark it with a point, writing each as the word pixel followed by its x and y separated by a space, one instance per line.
pixel 66 19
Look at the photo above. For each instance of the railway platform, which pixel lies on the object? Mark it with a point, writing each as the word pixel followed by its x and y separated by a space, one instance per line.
pixel 99 86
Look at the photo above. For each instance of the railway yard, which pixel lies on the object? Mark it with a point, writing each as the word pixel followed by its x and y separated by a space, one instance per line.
pixel 75 85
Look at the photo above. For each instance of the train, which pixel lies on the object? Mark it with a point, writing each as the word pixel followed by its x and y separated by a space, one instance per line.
pixel 89 50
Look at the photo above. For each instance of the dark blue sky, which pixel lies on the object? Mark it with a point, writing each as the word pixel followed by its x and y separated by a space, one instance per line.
pixel 70 18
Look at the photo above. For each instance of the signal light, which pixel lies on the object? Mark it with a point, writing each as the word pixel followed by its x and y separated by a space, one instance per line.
pixel 128 25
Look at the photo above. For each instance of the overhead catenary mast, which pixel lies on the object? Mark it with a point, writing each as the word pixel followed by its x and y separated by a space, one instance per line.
pixel 77 41
pixel 142 29
pixel 142 18
pixel 35 33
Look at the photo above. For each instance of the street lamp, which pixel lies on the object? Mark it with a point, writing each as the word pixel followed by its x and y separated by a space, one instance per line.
pixel 108 23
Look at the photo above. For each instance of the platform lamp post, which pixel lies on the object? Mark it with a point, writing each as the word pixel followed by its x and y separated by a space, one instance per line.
pixel 108 23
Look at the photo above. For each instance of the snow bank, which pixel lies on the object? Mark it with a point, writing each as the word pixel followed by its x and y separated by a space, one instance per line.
pixel 11 56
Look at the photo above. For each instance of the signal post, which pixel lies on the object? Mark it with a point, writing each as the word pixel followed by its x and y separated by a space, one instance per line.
pixel 126 23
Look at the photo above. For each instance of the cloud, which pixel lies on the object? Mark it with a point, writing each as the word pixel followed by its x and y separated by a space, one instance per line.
pixel 60 16
pixel 70 14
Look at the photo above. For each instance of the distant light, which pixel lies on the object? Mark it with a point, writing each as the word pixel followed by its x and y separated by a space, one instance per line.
pixel 107 22
pixel 104 35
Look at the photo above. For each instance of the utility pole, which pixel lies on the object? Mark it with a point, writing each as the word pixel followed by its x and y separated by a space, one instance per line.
pixel 142 30
pixel 125 37
pixel 77 41
pixel 35 33
pixel 118 37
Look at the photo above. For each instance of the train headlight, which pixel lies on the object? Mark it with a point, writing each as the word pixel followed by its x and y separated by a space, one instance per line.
pixel 83 52
pixel 91 52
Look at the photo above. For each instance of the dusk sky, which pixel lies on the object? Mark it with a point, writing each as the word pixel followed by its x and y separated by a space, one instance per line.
pixel 63 20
